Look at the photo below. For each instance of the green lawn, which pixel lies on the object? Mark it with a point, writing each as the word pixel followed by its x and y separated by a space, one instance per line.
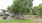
pixel 17 21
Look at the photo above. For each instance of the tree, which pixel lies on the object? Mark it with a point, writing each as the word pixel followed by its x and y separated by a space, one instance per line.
pixel 21 6
pixel 39 9
pixel 33 11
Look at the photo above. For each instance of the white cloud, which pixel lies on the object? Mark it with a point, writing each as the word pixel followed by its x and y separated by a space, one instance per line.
pixel 5 3
pixel 37 2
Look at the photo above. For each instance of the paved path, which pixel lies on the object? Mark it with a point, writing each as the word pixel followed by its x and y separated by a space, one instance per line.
pixel 38 20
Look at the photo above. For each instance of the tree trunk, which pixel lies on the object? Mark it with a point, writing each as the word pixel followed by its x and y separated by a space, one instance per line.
pixel 14 14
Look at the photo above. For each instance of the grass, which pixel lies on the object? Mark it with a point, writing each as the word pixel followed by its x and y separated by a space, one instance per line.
pixel 17 21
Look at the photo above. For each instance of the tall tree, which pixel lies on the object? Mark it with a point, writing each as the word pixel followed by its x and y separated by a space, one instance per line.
pixel 21 6
pixel 39 9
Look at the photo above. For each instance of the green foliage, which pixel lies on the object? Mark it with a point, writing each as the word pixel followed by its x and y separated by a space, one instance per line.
pixel 39 9
pixel 23 6
pixel 33 11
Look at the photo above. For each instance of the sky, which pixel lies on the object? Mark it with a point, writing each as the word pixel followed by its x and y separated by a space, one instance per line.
pixel 5 3
pixel 37 2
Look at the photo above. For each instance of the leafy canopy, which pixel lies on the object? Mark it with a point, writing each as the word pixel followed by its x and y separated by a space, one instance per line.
pixel 21 6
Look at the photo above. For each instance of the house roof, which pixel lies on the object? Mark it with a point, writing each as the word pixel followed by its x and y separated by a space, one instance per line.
pixel 7 11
